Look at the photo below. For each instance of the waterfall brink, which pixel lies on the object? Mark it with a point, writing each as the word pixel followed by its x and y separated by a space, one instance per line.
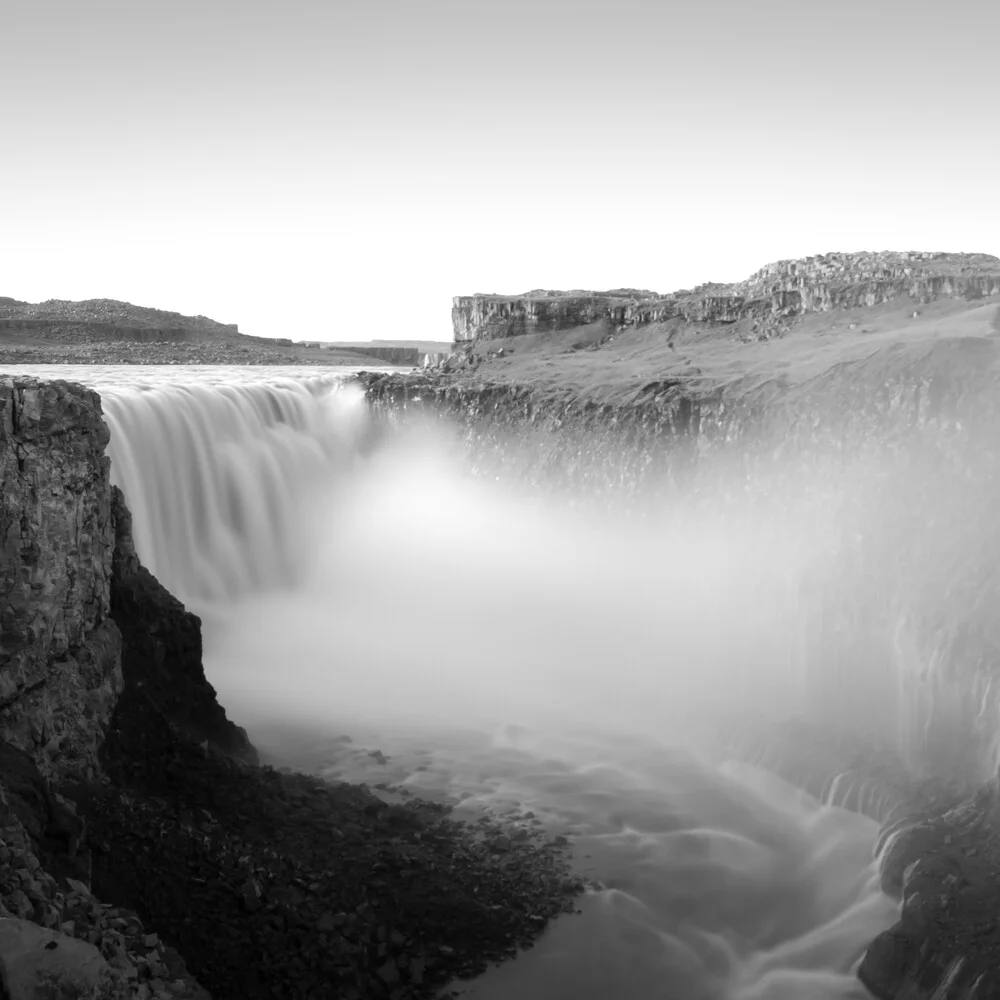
pixel 220 477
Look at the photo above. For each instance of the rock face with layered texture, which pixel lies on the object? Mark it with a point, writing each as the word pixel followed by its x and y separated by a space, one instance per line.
pixel 769 298
pixel 60 650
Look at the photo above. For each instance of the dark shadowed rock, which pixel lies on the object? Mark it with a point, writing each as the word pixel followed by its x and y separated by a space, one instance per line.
pixel 162 652
pixel 59 650
pixel 945 869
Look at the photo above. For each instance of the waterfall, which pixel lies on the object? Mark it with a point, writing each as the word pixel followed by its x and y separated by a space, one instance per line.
pixel 220 478
pixel 638 670
pixel 243 486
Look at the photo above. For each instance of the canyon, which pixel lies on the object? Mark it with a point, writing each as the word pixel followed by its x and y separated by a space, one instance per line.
pixel 886 362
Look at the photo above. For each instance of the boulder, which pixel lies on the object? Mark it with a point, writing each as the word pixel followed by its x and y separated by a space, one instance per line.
pixel 40 964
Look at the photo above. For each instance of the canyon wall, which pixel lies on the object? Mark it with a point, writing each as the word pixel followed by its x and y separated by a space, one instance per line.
pixel 81 620
pixel 904 445
pixel 60 651
pixel 768 299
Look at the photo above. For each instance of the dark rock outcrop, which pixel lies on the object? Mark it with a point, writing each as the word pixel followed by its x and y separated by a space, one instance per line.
pixel 943 865
pixel 161 656
pixel 59 648
pixel 70 576
pixel 768 299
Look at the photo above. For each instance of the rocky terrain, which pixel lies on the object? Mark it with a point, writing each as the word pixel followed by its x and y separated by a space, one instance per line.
pixel 887 363
pixel 761 306
pixel 118 767
pixel 144 853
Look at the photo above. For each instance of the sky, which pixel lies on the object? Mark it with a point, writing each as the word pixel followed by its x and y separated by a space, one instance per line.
pixel 339 170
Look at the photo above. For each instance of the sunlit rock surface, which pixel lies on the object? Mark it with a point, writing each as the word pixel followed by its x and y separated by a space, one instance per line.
pixel 60 667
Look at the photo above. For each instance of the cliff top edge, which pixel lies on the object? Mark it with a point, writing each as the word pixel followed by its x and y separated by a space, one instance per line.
pixel 821 268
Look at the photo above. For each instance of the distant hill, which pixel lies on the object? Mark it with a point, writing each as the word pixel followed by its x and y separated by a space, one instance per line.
pixel 107 331
pixel 107 318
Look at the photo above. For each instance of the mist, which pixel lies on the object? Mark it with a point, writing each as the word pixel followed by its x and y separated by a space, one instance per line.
pixel 626 671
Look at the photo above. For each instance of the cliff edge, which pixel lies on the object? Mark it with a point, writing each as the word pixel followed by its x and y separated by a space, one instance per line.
pixel 763 304
pixel 60 650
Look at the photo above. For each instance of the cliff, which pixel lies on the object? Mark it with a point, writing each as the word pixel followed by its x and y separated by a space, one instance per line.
pixel 72 585
pixel 60 650
pixel 764 303
pixel 86 635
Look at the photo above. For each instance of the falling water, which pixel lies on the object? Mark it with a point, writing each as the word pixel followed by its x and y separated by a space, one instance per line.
pixel 221 514
pixel 510 654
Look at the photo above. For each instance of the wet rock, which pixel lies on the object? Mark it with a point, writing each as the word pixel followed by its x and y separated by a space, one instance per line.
pixel 945 868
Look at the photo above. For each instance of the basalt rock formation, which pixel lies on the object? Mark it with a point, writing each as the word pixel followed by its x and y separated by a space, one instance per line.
pixel 69 570
pixel 767 299
pixel 71 585
pixel 162 651
pixel 60 649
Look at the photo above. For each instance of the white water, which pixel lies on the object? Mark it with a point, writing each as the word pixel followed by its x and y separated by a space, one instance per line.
pixel 505 652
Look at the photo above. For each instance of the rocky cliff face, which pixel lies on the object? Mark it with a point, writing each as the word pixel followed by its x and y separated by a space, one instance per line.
pixel 71 586
pixel 768 299
pixel 60 651
pixel 161 656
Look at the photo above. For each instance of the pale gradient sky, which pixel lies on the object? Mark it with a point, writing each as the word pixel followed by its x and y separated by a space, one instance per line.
pixel 339 170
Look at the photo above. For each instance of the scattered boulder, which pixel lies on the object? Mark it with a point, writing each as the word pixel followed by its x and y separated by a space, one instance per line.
pixel 41 964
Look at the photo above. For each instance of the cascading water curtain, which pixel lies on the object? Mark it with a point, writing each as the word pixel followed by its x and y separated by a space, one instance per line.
pixel 220 478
